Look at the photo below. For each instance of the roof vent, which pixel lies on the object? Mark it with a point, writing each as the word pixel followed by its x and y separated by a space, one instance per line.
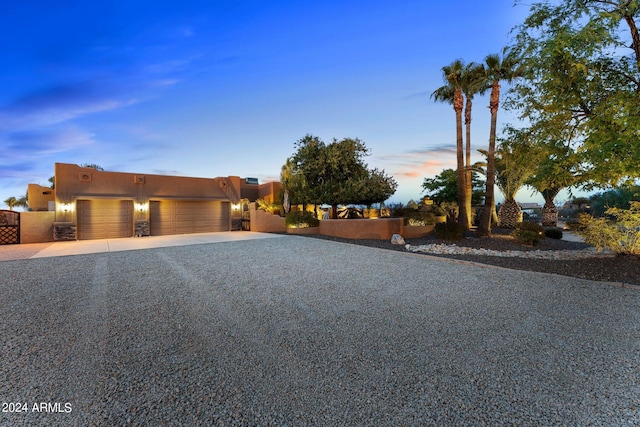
pixel 252 181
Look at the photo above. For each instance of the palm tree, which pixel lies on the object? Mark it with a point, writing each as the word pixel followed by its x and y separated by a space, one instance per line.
pixel 12 202
pixel 452 93
pixel 498 69
pixel 515 161
pixel 473 82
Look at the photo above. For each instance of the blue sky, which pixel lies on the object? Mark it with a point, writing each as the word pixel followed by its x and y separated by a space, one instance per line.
pixel 217 88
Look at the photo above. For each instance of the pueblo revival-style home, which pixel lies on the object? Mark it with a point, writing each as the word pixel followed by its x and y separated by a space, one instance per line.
pixel 93 204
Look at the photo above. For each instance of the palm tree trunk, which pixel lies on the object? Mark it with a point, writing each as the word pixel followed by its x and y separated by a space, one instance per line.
pixel 510 214
pixel 463 217
pixel 468 182
pixel 489 198
pixel 549 214
pixel 549 210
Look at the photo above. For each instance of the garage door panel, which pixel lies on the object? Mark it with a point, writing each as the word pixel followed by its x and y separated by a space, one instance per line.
pixel 104 219
pixel 186 217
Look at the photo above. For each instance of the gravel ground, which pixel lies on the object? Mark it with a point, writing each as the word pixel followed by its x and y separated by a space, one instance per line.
pixel 299 331
pixel 618 269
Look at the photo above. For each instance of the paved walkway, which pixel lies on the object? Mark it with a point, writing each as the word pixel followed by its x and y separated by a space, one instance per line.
pixel 79 247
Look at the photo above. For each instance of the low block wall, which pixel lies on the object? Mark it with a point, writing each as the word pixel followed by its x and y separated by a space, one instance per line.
pixel 416 231
pixel 264 222
pixel 36 227
pixel 381 229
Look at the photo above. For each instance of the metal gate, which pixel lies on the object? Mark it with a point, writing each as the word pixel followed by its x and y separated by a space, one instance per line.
pixel 9 227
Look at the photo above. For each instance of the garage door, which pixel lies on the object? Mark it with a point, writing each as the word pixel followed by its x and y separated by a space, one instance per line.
pixel 185 217
pixel 104 219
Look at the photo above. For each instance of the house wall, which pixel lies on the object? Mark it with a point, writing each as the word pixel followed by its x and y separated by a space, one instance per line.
pixel 36 227
pixel 73 182
pixel 269 191
pixel 39 197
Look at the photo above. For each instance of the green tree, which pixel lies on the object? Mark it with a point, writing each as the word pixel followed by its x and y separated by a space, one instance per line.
pixel 452 93
pixel 582 62
pixel 555 170
pixel 374 187
pixel 293 183
pixel 444 187
pixel 498 69
pixel 335 174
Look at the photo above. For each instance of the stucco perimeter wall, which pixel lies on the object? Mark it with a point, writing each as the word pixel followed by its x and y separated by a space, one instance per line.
pixel 264 222
pixel 382 228
pixel 36 227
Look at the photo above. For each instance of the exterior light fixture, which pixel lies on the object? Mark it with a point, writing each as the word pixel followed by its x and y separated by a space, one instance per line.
pixel 236 206
pixel 66 207
pixel 140 207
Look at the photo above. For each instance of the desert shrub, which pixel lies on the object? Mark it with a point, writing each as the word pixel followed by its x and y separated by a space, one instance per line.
pixel 418 218
pixel 528 233
pixel 449 231
pixel 553 233
pixel 301 219
pixel 268 206
pixel 620 233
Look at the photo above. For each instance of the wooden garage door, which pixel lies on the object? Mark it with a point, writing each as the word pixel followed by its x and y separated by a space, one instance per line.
pixel 104 219
pixel 185 217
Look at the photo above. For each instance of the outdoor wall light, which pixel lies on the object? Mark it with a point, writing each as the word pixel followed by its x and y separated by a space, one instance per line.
pixel 140 206
pixel 236 206
pixel 66 207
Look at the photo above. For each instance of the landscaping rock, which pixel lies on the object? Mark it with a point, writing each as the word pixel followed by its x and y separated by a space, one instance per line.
pixel 397 239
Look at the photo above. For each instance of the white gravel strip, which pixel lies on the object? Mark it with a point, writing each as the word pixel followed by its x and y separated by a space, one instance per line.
pixel 296 331
pixel 443 249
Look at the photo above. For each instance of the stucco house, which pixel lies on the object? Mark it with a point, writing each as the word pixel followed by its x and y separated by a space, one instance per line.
pixel 92 204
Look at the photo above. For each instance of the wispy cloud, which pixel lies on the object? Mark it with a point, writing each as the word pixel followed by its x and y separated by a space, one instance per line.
pixel 48 141
pixel 57 104
pixel 421 162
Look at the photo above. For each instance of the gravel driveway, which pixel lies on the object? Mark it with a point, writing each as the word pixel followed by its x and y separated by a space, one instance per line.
pixel 297 331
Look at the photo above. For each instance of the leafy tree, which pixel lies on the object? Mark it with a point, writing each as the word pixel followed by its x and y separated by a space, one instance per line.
pixel 294 184
pixel 374 187
pixel 582 62
pixel 444 187
pixel 498 69
pixel 555 170
pixel 452 93
pixel 335 174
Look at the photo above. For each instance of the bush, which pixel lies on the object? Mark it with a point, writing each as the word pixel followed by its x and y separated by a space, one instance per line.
pixel 528 233
pixel 268 206
pixel 620 234
pixel 418 218
pixel 301 219
pixel 553 233
pixel 449 231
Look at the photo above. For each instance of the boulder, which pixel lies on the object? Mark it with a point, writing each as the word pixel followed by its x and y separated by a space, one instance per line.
pixel 397 239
